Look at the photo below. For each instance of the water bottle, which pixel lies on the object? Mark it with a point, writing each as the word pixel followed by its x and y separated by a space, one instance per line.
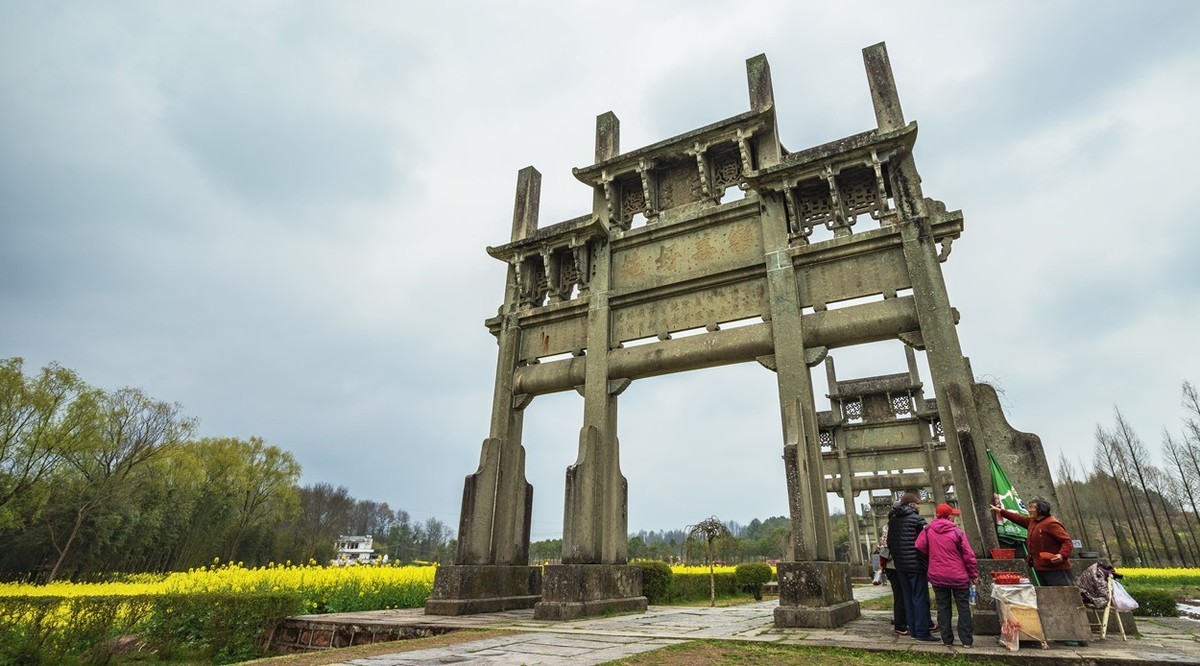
pixel 972 593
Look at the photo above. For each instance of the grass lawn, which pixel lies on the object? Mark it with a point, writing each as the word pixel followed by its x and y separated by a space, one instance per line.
pixel 719 653
pixel 701 653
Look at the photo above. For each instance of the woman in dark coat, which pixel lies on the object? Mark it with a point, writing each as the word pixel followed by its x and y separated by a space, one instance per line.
pixel 904 524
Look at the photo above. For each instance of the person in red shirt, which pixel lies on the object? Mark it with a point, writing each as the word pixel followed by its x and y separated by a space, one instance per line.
pixel 1048 544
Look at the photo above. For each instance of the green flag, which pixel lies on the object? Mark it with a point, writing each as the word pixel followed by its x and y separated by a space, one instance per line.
pixel 1006 496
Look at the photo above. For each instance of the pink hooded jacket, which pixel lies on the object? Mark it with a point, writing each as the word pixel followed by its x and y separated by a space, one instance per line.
pixel 951 560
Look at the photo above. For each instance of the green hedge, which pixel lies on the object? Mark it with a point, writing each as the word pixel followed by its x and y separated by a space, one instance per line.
pixel 694 587
pixel 37 630
pixel 656 579
pixel 1153 602
pixel 751 576
pixel 218 627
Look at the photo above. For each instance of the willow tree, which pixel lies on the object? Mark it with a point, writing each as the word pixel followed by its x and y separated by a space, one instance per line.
pixel 710 529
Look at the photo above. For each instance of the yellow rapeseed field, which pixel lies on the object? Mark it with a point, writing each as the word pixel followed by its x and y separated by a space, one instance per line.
pixel 323 589
pixel 1164 576
pixel 702 569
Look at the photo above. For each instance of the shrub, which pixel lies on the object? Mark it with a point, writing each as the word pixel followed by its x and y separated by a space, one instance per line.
pixel 694 586
pixel 47 629
pixel 1153 602
pixel 656 579
pixel 751 576
pixel 224 626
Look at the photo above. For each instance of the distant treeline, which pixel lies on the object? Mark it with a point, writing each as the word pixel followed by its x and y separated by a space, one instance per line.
pixel 96 482
pixel 759 540
pixel 1130 510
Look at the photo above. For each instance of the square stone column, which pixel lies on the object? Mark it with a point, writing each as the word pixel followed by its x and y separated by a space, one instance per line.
pixel 464 589
pixel 815 594
pixel 572 591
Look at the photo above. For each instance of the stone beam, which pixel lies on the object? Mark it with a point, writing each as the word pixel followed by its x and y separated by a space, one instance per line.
pixel 869 322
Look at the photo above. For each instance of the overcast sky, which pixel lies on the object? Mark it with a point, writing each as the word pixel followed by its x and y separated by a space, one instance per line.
pixel 275 214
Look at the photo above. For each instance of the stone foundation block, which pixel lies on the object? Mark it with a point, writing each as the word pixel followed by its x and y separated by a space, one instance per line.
pixel 1062 614
pixel 572 591
pixel 483 588
pixel 815 594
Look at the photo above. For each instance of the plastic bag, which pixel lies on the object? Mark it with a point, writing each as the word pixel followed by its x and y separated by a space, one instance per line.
pixel 1122 600
pixel 878 580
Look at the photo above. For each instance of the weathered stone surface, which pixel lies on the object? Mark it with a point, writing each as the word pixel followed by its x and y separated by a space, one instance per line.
pixel 832 246
pixel 463 589
pixel 572 591
pixel 817 617
pixel 1062 614
pixel 814 594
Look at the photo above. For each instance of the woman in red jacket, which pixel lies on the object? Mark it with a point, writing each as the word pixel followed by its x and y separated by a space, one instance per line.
pixel 1048 544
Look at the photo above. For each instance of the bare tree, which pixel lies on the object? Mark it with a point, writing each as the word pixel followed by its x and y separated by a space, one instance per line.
pixel 1182 481
pixel 1138 457
pixel 1107 457
pixel 1160 480
pixel 1066 473
pixel 711 529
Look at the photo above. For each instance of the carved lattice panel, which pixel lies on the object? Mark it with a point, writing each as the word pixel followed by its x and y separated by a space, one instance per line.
pixel 814 205
pixel 858 189
pixel 677 185
pixel 727 170
pixel 568 273
pixel 633 199
pixel 853 409
pixel 901 404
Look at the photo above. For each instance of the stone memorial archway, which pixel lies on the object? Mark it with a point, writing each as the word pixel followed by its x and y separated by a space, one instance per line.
pixel 843 222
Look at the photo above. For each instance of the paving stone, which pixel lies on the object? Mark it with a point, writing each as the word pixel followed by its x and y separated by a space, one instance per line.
pixel 599 640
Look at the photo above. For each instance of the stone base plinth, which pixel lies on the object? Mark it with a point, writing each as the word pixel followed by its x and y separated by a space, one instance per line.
pixel 572 591
pixel 1062 614
pixel 984 621
pixel 464 589
pixel 815 594
pixel 983 598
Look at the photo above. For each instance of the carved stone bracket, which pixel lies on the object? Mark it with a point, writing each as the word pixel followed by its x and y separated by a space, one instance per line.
pixel 646 172
pixel 610 199
pixel 945 253
pixel 768 362
pixel 618 386
pixel 521 401
pixel 815 355
pixel 913 339
pixel 702 167
pixel 743 144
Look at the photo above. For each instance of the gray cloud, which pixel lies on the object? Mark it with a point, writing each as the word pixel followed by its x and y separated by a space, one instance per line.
pixel 276 214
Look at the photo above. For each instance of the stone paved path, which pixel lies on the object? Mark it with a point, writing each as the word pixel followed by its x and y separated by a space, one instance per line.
pixel 599 640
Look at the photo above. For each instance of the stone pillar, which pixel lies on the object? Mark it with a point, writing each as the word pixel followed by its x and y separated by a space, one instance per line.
pixel 814 591
pixel 594 578
pixel 949 368
pixel 491 569
pixel 847 475
pixel 918 407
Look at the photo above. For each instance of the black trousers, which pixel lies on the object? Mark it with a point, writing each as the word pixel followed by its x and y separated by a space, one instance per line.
pixel 1055 578
pixel 961 598
pixel 899 619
